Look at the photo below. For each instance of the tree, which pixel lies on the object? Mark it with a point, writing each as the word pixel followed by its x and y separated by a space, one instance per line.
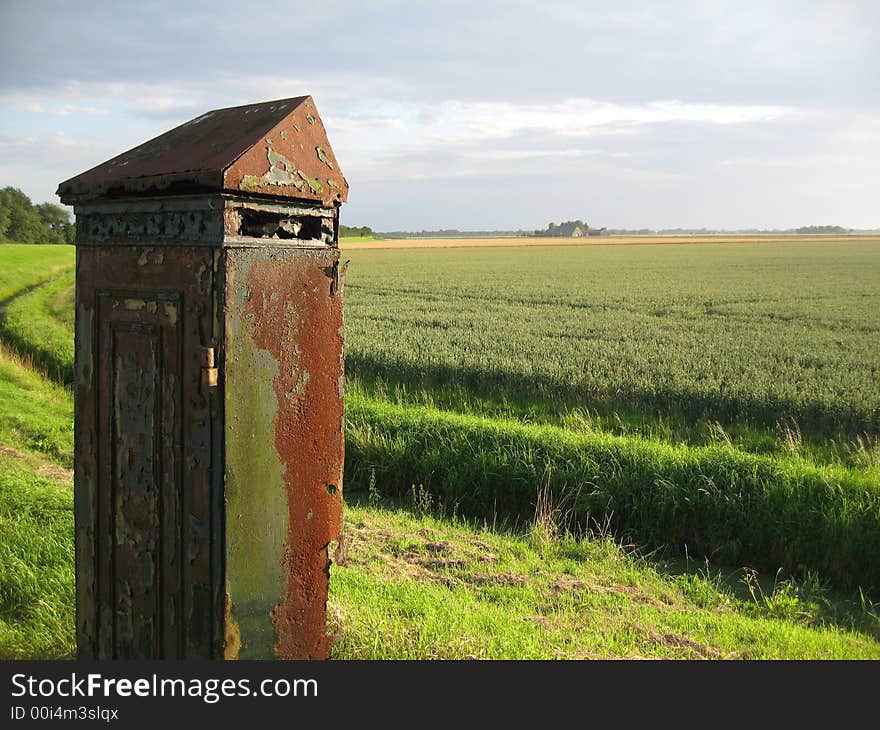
pixel 57 222
pixel 5 219
pixel 24 222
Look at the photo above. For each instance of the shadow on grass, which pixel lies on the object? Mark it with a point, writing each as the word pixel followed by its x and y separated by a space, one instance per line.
pixel 38 356
pixel 59 370
pixel 526 389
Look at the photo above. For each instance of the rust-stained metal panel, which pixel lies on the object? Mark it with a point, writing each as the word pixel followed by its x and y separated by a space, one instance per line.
pixel 149 547
pixel 284 447
pixel 206 220
pixel 277 147
pixel 176 220
pixel 293 160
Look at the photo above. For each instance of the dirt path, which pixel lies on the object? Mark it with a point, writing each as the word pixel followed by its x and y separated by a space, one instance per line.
pixel 56 473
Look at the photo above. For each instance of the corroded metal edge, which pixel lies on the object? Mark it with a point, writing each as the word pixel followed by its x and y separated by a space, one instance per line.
pixel 204 220
pixel 274 147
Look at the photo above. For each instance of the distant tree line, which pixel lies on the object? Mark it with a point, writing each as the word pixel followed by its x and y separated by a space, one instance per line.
pixel 351 231
pixel 23 222
pixel 708 231
pixel 821 229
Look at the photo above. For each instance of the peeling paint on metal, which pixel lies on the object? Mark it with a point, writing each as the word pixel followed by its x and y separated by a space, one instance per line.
pixel 232 634
pixel 313 183
pixel 292 316
pixel 135 305
pixel 256 501
pixel 144 575
pixel 322 156
pixel 250 182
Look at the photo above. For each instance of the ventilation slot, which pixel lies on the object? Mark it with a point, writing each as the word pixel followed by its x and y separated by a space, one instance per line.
pixel 264 224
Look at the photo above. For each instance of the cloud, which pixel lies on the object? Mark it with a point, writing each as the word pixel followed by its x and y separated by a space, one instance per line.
pixel 655 113
pixel 537 153
pixel 456 120
pixel 63 110
pixel 441 141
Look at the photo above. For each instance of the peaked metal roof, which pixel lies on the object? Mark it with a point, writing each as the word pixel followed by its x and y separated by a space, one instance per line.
pixel 276 148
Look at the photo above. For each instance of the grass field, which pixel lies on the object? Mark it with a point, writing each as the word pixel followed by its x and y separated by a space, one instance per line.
pixel 717 400
pixel 421 584
pixel 745 335
pixel 24 266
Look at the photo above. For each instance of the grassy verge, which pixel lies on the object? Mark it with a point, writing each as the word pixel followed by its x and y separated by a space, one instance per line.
pixel 40 325
pixel 36 415
pixel 419 587
pixel 715 501
pixel 36 514
pixel 25 265
pixel 36 563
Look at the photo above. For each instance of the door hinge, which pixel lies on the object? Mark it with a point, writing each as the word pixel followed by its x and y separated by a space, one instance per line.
pixel 210 372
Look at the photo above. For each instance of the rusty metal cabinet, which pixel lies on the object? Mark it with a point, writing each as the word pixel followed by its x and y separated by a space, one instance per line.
pixel 147 566
pixel 208 389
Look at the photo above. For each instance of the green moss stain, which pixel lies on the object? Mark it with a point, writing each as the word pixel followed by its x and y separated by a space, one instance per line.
pixel 277 160
pixel 250 182
pixel 256 503
pixel 281 172
pixel 313 183
pixel 323 157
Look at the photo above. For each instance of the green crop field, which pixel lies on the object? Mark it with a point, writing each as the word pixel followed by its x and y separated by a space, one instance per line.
pixel 565 411
pixel 694 335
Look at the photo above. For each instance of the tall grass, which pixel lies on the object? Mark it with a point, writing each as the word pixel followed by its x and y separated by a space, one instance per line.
pixel 715 501
pixel 36 564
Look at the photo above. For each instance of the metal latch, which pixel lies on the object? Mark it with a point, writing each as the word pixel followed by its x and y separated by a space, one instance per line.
pixel 210 373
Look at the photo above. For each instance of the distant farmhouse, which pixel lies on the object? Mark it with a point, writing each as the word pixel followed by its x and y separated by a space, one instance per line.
pixel 570 229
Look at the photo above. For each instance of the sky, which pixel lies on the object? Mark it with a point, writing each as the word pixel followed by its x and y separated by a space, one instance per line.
pixel 481 115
